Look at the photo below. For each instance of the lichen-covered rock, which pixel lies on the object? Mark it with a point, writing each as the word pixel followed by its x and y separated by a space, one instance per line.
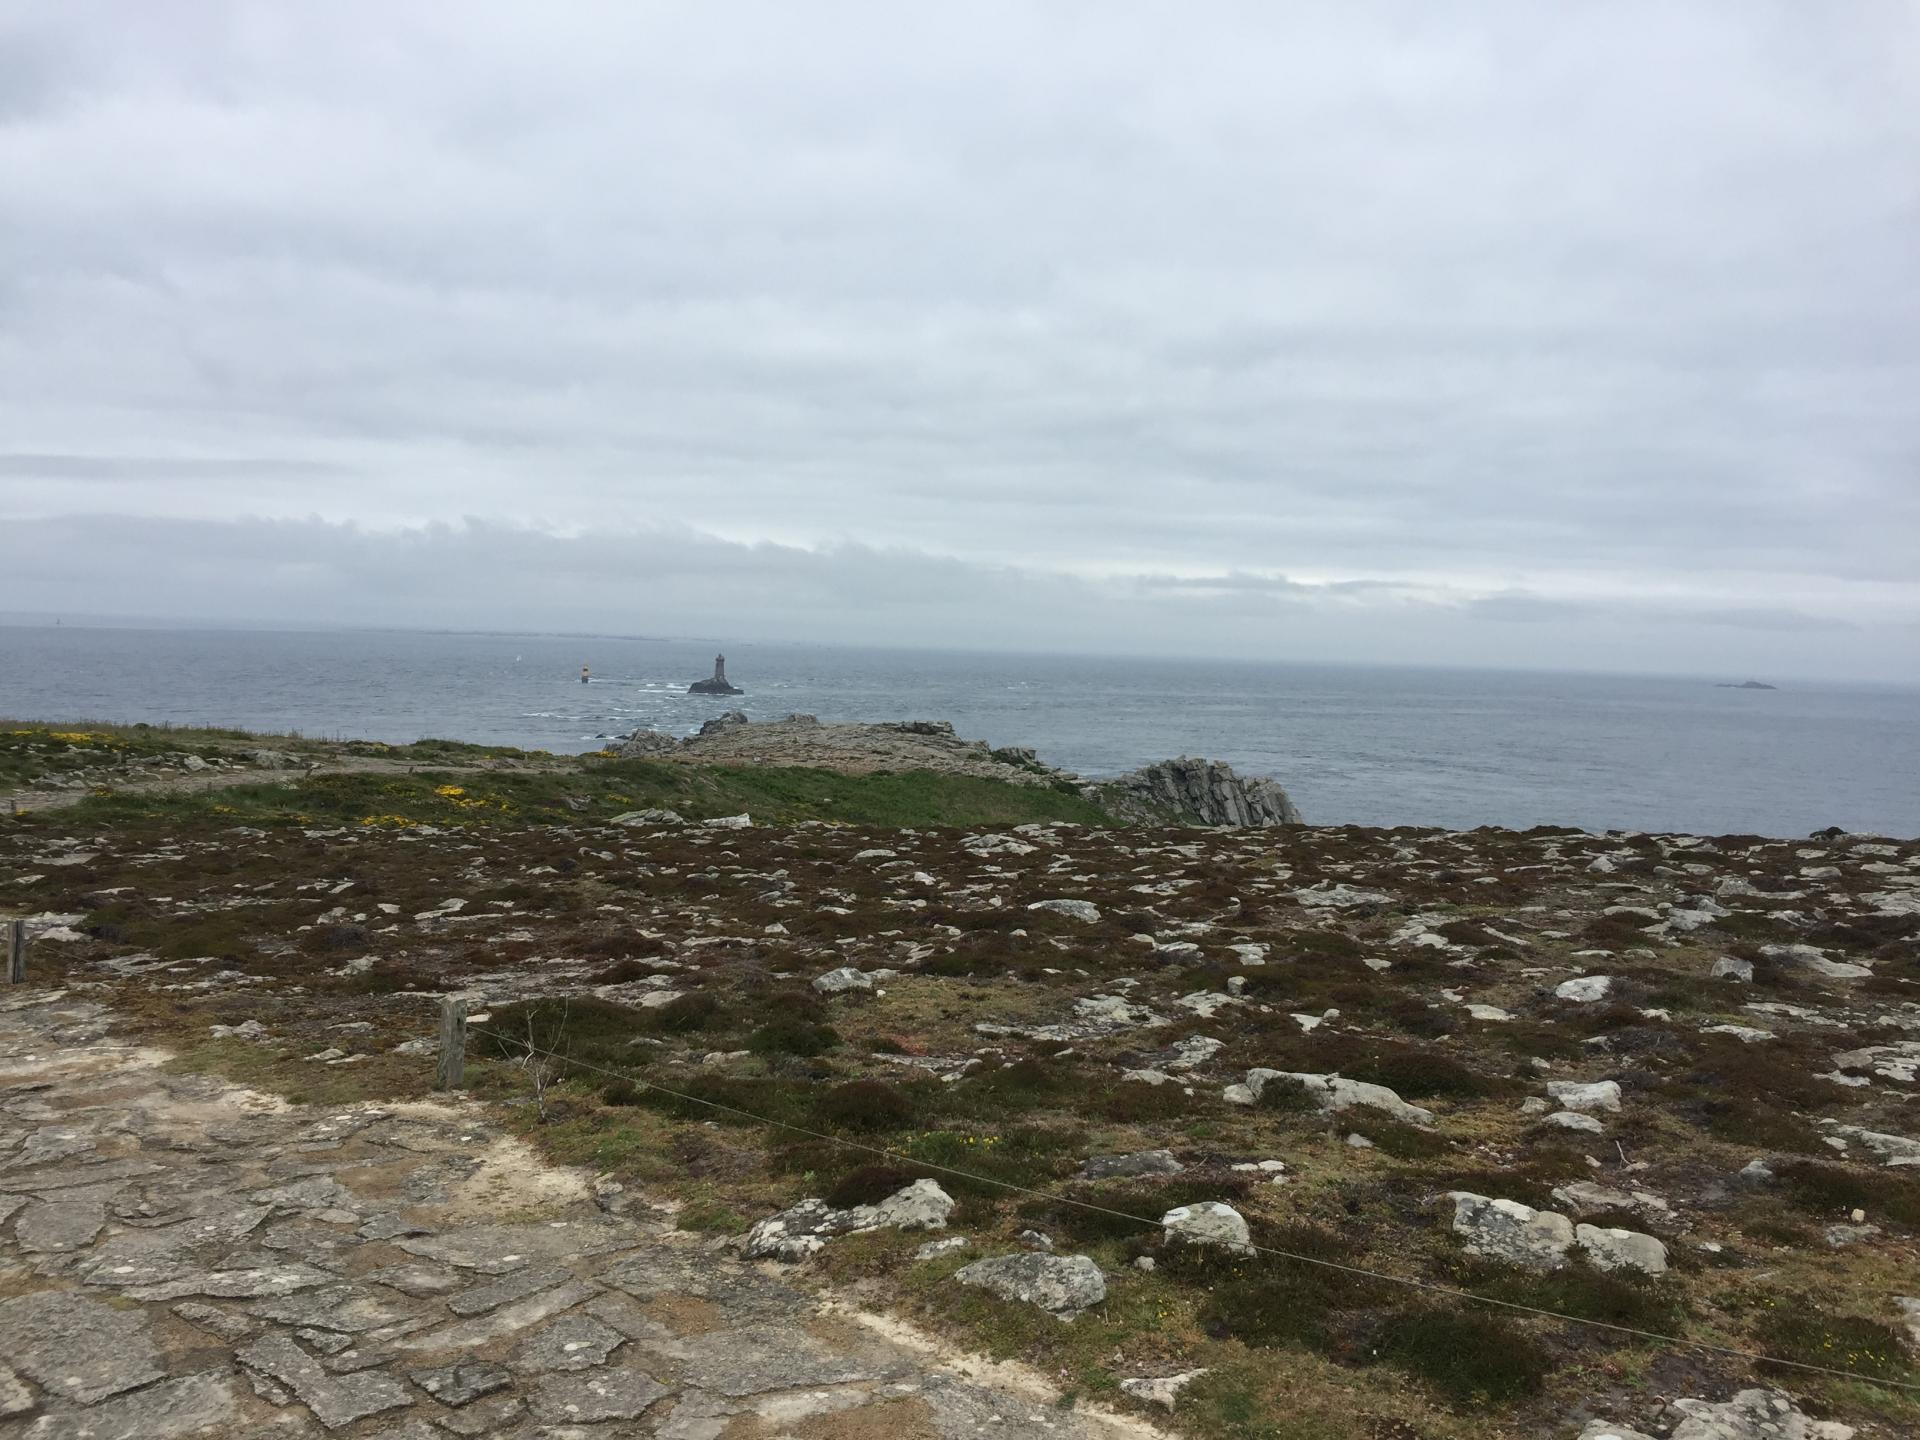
pixel 1540 1239
pixel 1621 1249
pixel 1062 1285
pixel 1163 1391
pixel 1753 1415
pixel 1073 909
pixel 1507 1230
pixel 1585 990
pixel 796 1233
pixel 838 982
pixel 1141 1162
pixel 1575 1121
pixel 1572 1095
pixel 1208 1223
pixel 656 816
pixel 1334 1093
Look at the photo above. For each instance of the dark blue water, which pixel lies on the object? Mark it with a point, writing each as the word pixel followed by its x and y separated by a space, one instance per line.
pixel 1370 745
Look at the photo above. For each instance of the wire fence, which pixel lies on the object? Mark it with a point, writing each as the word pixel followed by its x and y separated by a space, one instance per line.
pixel 530 1049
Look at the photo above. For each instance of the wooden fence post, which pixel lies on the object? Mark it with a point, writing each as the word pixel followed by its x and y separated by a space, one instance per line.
pixel 453 1045
pixel 17 952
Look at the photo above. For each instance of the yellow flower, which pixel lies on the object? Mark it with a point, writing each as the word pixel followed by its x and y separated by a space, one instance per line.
pixel 449 790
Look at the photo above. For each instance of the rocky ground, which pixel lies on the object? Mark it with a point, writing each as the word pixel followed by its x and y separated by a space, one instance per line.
pixel 1665 1083
pixel 189 1258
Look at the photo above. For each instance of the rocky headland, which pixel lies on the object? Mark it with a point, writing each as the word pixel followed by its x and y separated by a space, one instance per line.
pixel 1183 791
pixel 1215 1129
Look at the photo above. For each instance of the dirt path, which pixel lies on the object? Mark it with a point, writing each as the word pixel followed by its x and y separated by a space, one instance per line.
pixel 182 1257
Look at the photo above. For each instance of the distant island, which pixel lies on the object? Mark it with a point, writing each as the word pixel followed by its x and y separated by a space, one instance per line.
pixel 717 683
pixel 1745 685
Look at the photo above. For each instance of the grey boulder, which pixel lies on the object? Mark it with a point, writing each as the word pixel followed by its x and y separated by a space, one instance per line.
pixel 1208 1223
pixel 796 1233
pixel 1062 1285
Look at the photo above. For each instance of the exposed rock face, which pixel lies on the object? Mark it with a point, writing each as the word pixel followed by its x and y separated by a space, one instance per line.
pixel 1196 792
pixel 643 744
pixel 861 750
pixel 726 721
pixel 717 683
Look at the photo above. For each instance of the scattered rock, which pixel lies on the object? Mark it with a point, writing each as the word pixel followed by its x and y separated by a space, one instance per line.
pixel 1599 1095
pixel 1753 1415
pixel 1164 1392
pixel 838 982
pixel 1140 1163
pixel 1332 1093
pixel 1586 990
pixel 1073 909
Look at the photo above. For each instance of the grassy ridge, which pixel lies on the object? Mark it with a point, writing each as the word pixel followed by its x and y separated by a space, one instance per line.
pixel 595 792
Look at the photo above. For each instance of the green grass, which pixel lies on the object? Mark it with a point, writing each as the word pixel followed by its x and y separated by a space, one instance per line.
pixel 596 791
pixel 33 751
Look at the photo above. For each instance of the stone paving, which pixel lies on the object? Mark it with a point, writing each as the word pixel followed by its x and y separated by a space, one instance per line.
pixel 182 1257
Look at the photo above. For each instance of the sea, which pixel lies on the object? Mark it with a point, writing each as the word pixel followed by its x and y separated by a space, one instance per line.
pixel 1355 744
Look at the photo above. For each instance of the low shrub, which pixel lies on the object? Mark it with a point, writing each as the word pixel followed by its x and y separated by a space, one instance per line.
pixel 790 1035
pixel 620 1092
pixel 1288 1096
pixel 1422 1074
pixel 1831 1191
pixel 1395 1137
pixel 869 1185
pixel 1134 1102
pixel 695 1010
pixel 865 1105
pixel 1469 1356
pixel 1798 1329
pixel 1614 1297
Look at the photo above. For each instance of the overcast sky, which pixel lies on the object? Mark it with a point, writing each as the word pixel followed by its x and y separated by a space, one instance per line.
pixel 1578 334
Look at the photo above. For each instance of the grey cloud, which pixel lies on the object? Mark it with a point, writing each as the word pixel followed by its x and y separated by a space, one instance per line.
pixel 672 580
pixel 154 467
pixel 1591 305
pixel 1521 607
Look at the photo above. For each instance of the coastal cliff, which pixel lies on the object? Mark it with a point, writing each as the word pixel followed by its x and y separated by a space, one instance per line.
pixel 1185 791
pixel 1192 791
